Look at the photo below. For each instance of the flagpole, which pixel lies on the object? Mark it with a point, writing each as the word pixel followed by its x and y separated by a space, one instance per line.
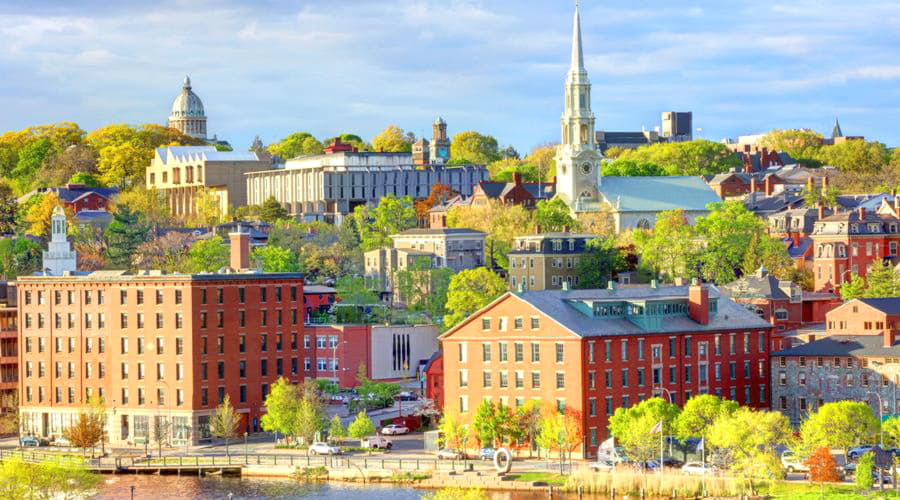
pixel 661 447
pixel 703 462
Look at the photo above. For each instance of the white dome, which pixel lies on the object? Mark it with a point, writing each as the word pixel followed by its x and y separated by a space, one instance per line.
pixel 187 104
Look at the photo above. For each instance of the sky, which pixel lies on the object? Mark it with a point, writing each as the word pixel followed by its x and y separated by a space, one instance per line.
pixel 273 67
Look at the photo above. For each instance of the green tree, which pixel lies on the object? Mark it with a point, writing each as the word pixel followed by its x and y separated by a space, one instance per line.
pixel 633 427
pixel 486 424
pixel 30 159
pixel 749 439
pixel 864 471
pixel 391 216
pixel 857 156
pixel 629 167
pixel 670 248
pixel 257 146
pixel 469 291
pixel 273 259
pixel 123 236
pixel 501 223
pixel 353 290
pixel 281 408
pixel 891 430
pixel 19 256
pixel 8 209
pixel 64 477
pixel 882 281
pixel 472 147
pixel 40 213
pixel 602 259
pixel 310 417
pixel 840 424
pixel 391 140
pixel 455 433
pixel 699 414
pixel 853 288
pixel 728 231
pixel 296 144
pixel 336 430
pixel 769 252
pixel 554 215
pixel 271 211
pixel 123 164
pixel 802 144
pixel 561 432
pixel 361 427
pixel 542 157
pixel 224 421
pixel 152 204
pixel 699 157
pixel 208 256
pixel 818 196
pixel 423 287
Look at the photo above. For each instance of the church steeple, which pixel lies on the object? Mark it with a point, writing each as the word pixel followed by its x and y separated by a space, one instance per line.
pixel 836 130
pixel 577 54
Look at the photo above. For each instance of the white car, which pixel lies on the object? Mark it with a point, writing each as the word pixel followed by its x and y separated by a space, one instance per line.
pixel 320 448
pixel 792 463
pixel 446 454
pixel 859 451
pixel 61 441
pixel 377 442
pixel 395 429
pixel 697 469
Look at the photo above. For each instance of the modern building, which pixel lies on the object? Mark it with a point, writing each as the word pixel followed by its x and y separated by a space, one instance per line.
pixel 593 351
pixel 183 172
pixel 436 152
pixel 677 126
pixel 187 114
pixel 156 347
pixel 388 352
pixel 624 140
pixel 9 346
pixel 633 202
pixel 329 186
pixel 546 261
pixel 858 359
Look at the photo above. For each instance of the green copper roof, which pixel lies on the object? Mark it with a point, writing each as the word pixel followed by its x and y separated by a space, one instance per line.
pixel 655 194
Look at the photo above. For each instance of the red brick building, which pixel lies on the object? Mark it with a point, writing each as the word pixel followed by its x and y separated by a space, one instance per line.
pixel 592 351
pixel 79 197
pixel 156 346
pixel 516 192
pixel 317 299
pixel 851 242
pixel 9 354
pixel 434 380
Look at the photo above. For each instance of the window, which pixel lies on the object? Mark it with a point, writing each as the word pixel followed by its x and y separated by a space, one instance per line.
pixel 535 380
pixel 463 378
pixel 535 352
pixel 519 352
pixel 485 323
pixel 504 379
pixel 463 404
pixel 624 377
pixel 179 346
pixel 504 354
pixel 486 379
pixel 535 322
pixel 624 350
pixel 160 347
pixel 221 369
pixel 560 352
pixel 520 379
pixel 486 352
pixel 518 323
pixel 560 380
pixel 640 373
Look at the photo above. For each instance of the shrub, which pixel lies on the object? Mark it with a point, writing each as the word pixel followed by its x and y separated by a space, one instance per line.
pixel 864 471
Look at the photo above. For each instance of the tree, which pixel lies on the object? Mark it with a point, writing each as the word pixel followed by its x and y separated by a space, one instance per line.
pixel 423 287
pixel 208 209
pixel 728 231
pixel 257 145
pixel 336 430
pixel 8 209
pixel 502 223
pixel 822 467
pixel 542 157
pixel 864 470
pixel 802 144
pixel 602 259
pixel 699 157
pixel 629 167
pixel 271 211
pixel 152 204
pixel 224 421
pixel 273 259
pixel 815 196
pixel 438 195
pixel 19 256
pixel 123 236
pixel 391 140
pixel 87 431
pixel 361 427
pixel 281 408
pixel 162 432
pixel 310 416
pixel 891 430
pixel 41 212
pixel 391 216
pixel 699 414
pixel 353 290
pixel 554 215
pixel 560 431
pixel 167 252
pixel 472 147
pixel 769 252
pixel 527 421
pixel 207 256
pixel 840 424
pixel 856 156
pixel 853 288
pixel 634 427
pixel 296 144
pixel 749 438
pixel 670 248
pixel 123 164
pixel 455 433
pixel 880 281
pixel 60 478
pixel 76 163
pixel 485 424
pixel 30 159
pixel 469 291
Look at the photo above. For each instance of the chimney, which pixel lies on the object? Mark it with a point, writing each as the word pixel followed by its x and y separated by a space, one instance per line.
pixel 769 186
pixel 240 249
pixel 517 178
pixel 862 213
pixel 679 281
pixel 888 338
pixel 698 302
pixel 611 285
pixel 747 148
pixel 795 236
pixel 811 338
pixel 821 212
pixel 752 183
pixel 809 184
pixel 824 182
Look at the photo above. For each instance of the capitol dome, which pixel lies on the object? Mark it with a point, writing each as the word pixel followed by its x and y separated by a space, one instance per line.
pixel 187 112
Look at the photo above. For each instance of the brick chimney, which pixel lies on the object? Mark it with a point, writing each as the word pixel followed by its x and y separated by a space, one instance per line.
pixel 769 186
pixel 824 182
pixel 752 183
pixel 698 302
pixel 517 178
pixel 888 338
pixel 862 213
pixel 809 184
pixel 240 249
pixel 821 211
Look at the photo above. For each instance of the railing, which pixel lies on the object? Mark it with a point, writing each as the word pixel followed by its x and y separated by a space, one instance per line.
pixel 242 460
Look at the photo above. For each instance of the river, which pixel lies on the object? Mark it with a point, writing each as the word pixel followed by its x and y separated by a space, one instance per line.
pixel 213 487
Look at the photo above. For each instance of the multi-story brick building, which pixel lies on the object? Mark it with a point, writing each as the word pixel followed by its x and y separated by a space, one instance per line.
pixel 516 192
pixel 546 261
pixel 593 351
pixel 156 346
pixel 9 351
pixel 851 242
pixel 858 359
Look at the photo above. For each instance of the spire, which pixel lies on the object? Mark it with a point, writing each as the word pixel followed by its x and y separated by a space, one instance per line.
pixel 577 56
pixel 836 130
pixel 187 82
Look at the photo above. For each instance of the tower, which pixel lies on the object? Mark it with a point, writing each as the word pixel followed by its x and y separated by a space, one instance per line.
pixel 836 130
pixel 420 152
pixel 578 173
pixel 59 256
pixel 440 144
pixel 187 112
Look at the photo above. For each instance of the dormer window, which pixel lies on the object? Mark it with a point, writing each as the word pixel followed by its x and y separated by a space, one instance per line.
pixel 854 228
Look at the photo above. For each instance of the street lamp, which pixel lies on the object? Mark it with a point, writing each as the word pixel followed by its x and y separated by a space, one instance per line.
pixel 662 435
pixel 880 419
pixel 334 364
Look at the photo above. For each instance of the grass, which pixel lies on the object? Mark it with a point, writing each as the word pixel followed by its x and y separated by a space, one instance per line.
pixel 546 477
pixel 807 491
pixel 407 477
pixel 311 473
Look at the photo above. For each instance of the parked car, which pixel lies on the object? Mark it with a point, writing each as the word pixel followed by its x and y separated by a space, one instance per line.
pixel 337 399
pixel 320 448
pixel 486 453
pixel 446 454
pixel 859 451
pixel 792 463
pixel 29 441
pixel 406 396
pixel 395 430
pixel 603 464
pixel 61 441
pixel 697 469
pixel 377 443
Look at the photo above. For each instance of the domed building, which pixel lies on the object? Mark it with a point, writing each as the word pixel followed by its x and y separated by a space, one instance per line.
pixel 187 112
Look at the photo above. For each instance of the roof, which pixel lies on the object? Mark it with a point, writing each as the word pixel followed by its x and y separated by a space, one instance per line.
pixel 551 235
pixel 560 305
pixel 93 215
pixel 887 305
pixel 844 345
pixel 759 203
pixel 656 194
pixel 203 153
pixel 157 275
pixel 447 231
pixel 624 137
pixel 318 289
pixel 760 284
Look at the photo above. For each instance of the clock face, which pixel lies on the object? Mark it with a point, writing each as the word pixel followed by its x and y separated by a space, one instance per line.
pixel 442 152
pixel 586 168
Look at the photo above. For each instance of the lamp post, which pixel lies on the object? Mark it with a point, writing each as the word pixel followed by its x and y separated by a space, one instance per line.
pixel 880 419
pixel 334 364
pixel 662 435
pixel 246 450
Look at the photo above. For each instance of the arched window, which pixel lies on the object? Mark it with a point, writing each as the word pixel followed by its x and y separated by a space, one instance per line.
pixel 643 224
pixel 584 134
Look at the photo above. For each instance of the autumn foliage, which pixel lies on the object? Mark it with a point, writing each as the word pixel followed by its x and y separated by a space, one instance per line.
pixel 822 467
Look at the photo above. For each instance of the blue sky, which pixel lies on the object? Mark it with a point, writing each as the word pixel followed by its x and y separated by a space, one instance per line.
pixel 324 66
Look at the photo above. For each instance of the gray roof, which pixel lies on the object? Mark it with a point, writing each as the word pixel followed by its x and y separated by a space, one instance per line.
pixel 656 194
pixel 560 306
pixel 760 284
pixel 204 153
pixel 318 289
pixel 559 234
pixel 844 345
pixel 437 231
pixel 887 305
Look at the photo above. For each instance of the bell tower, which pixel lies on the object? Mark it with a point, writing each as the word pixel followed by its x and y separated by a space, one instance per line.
pixel 440 144
pixel 577 159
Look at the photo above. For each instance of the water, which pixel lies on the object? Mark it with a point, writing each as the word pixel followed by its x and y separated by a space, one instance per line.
pixel 215 487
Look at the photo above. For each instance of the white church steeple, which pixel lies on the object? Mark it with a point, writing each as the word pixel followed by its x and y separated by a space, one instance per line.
pixel 577 158
pixel 59 256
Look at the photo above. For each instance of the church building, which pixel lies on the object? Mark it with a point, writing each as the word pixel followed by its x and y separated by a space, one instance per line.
pixel 633 202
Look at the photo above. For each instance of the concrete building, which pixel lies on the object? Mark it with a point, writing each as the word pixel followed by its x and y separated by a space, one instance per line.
pixel 9 345
pixel 156 346
pixel 546 261
pixel 330 185
pixel 677 126
pixel 858 359
pixel 181 172
pixel 592 351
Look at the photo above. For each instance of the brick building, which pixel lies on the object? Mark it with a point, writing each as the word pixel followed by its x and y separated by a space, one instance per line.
pixel 317 299
pixel 546 261
pixel 858 359
pixel 434 379
pixel 78 197
pixel 9 352
pixel 593 351
pixel 156 346
pixel 516 192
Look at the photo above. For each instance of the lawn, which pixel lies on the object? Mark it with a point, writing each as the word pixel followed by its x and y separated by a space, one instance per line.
pixel 806 491
pixel 546 477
